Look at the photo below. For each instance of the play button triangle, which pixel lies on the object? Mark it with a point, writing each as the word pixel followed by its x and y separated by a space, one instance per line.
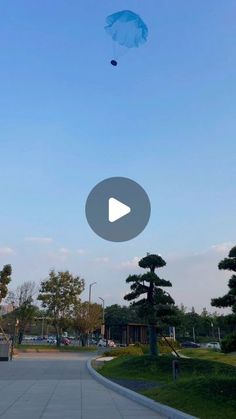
pixel 117 210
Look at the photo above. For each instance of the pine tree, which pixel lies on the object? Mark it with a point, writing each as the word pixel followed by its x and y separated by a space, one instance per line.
pixel 229 299
pixel 5 278
pixel 157 305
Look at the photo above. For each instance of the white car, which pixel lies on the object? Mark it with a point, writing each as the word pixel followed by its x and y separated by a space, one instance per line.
pixel 103 343
pixel 51 340
pixel 214 345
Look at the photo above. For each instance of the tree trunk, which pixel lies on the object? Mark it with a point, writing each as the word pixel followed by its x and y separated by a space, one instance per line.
pixel 20 337
pixel 152 340
pixel 58 336
pixel 84 339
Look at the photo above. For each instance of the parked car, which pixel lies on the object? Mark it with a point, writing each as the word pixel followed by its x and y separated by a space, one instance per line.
pixel 106 343
pixel 190 345
pixel 92 342
pixel 51 340
pixel 214 345
pixel 102 343
pixel 65 341
pixel 28 338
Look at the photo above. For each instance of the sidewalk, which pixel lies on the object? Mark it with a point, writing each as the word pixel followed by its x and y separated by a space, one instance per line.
pixel 60 387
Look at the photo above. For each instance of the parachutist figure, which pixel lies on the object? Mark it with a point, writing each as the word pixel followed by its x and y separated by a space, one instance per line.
pixel 114 63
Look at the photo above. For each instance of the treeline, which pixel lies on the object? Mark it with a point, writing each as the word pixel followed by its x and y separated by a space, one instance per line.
pixel 150 303
pixel 61 307
pixel 189 325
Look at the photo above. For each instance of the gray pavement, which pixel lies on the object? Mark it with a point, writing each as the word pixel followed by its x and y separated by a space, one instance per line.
pixel 46 386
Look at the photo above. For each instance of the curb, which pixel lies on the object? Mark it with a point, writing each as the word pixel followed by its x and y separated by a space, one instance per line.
pixel 168 412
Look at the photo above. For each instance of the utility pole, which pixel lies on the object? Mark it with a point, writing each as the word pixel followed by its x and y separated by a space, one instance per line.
pixel 90 291
pixel 90 296
pixel 16 322
pixel 194 336
pixel 103 317
pixel 42 332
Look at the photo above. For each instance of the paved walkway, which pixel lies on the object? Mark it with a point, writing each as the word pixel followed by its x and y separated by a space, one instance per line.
pixel 59 387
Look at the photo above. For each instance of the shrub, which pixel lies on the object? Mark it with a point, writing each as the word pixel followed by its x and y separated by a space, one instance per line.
pixel 141 349
pixel 129 350
pixel 164 348
pixel 228 344
pixel 144 348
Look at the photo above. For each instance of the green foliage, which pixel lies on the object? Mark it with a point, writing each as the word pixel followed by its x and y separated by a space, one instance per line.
pixel 144 348
pixel 157 306
pixel 204 388
pixel 146 367
pixel 165 348
pixel 141 349
pixel 229 299
pixel 25 314
pixel 210 354
pixel 232 253
pixel 129 350
pixel 228 344
pixel 87 318
pixel 24 309
pixel 152 262
pixel 59 294
pixel 203 397
pixel 5 278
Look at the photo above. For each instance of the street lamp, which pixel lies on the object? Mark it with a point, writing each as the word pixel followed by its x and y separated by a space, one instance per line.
pixel 14 330
pixel 103 316
pixel 90 293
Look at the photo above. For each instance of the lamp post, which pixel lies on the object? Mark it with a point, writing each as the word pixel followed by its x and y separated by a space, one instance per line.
pixel 14 331
pixel 103 316
pixel 90 295
pixel 90 291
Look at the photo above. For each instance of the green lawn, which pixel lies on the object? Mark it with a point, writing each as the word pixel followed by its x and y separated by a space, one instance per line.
pixel 206 398
pixel 53 348
pixel 210 354
pixel 205 388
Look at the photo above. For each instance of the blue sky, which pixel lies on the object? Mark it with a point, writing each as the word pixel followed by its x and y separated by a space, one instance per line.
pixel 164 117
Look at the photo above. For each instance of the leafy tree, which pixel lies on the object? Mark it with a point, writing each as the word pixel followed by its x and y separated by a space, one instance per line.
pixel 157 306
pixel 229 299
pixel 5 278
pixel 25 310
pixel 60 294
pixel 87 318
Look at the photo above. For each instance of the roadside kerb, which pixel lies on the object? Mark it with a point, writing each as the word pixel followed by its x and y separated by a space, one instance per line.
pixel 168 412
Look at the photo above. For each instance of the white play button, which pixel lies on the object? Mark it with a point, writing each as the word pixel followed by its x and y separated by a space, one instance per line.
pixel 117 210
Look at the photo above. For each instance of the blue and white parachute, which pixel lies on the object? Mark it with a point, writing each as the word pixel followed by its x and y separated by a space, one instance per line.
pixel 127 29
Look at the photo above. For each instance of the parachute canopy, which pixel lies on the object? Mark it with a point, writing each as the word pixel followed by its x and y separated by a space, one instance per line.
pixel 127 28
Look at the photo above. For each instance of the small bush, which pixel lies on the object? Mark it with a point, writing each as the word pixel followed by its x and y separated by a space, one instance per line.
pixel 164 348
pixel 129 350
pixel 228 344
pixel 142 349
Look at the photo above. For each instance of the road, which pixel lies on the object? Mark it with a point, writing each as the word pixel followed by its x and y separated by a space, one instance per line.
pixel 58 386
